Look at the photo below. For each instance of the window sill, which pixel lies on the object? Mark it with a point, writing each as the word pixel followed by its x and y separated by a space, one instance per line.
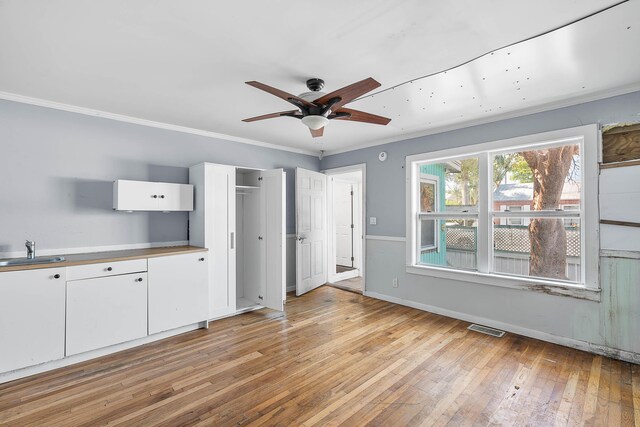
pixel 529 284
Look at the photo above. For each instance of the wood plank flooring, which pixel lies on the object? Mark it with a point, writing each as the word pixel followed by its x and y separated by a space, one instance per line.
pixel 334 358
pixel 355 284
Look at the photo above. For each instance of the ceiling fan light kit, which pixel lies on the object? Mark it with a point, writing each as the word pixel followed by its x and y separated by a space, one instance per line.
pixel 316 108
pixel 315 122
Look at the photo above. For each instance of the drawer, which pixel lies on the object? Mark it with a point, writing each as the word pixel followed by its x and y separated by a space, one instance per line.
pixel 105 269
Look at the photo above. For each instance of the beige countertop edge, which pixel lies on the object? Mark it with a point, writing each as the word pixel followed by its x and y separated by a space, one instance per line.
pixel 108 256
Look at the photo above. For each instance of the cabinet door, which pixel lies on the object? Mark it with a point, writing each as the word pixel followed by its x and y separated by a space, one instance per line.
pixel 273 197
pixel 135 196
pixel 175 197
pixel 220 238
pixel 105 311
pixel 31 317
pixel 178 291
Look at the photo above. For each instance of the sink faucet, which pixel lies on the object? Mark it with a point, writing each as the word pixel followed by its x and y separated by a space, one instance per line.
pixel 31 249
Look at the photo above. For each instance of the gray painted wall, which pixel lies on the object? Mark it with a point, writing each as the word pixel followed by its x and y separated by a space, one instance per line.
pixel 57 168
pixel 611 322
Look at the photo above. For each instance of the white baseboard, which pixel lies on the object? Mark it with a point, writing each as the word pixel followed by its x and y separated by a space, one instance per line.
pixel 291 288
pixel 83 357
pixel 91 249
pixel 626 356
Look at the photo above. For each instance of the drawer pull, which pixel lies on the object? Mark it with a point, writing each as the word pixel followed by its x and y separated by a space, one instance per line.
pixel 56 276
pixel 200 259
pixel 139 279
pixel 109 268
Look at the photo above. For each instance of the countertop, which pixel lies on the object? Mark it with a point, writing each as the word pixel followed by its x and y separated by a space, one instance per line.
pixel 108 256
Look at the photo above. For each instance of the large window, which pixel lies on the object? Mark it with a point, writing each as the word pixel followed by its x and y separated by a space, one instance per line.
pixel 514 211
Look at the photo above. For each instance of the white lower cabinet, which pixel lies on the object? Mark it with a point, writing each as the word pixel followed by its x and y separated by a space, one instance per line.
pixel 178 291
pixel 47 314
pixel 105 311
pixel 31 317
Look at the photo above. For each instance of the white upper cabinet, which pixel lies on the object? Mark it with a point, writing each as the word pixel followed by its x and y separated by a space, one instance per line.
pixel 151 196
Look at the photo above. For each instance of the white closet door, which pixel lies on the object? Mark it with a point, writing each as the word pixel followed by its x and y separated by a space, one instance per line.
pixel 311 230
pixel 220 203
pixel 273 199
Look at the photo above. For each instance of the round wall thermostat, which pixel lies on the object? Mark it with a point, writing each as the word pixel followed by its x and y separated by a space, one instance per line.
pixel 382 156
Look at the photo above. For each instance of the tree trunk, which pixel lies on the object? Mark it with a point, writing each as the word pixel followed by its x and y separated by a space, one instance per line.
pixel 547 235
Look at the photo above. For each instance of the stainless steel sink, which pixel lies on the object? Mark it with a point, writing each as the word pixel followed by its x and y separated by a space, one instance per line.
pixel 27 261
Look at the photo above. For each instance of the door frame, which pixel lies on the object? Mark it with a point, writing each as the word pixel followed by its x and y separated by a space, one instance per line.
pixel 362 168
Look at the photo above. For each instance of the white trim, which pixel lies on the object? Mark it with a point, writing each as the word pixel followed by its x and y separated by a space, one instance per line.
pixel 144 122
pixel 587 136
pixel 544 336
pixel 92 249
pixel 386 238
pixel 534 214
pixel 492 119
pixel 507 281
pixel 552 138
pixel 82 357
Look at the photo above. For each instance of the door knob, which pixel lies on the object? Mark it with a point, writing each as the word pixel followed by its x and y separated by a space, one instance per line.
pixel 301 238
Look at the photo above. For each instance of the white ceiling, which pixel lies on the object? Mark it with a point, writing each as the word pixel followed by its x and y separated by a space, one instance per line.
pixel 185 62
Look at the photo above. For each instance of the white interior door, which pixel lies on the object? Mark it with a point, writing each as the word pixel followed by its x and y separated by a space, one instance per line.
pixel 311 230
pixel 273 200
pixel 343 211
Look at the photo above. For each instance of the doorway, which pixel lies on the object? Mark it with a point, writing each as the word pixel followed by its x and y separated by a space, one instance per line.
pixel 346 227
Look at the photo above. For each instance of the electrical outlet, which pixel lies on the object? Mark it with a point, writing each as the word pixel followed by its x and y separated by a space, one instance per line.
pixel 395 282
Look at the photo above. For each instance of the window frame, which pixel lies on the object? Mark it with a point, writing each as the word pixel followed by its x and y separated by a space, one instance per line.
pixel 589 139
pixel 435 180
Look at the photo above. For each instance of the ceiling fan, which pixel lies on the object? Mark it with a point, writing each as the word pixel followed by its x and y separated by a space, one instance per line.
pixel 316 108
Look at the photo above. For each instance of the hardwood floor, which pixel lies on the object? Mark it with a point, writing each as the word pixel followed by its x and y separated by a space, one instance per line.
pixel 333 358
pixel 355 284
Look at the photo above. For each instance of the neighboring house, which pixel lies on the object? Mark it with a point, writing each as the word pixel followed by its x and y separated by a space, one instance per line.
pixel 519 197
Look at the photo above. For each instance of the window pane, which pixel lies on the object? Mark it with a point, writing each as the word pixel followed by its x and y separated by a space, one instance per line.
pixel 546 248
pixel 557 182
pixel 427 196
pixel 455 183
pixel 427 234
pixel 455 243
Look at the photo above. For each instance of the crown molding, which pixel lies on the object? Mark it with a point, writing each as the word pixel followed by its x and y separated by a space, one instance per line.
pixel 596 96
pixel 144 122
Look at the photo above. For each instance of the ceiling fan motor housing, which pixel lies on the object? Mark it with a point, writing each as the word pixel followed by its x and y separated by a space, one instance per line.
pixel 315 84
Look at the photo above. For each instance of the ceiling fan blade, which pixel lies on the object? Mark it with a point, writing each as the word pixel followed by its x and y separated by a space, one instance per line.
pixel 295 100
pixel 361 116
pixel 348 93
pixel 291 113
pixel 317 133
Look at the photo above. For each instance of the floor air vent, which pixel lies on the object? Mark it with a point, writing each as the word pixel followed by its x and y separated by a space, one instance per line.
pixel 486 330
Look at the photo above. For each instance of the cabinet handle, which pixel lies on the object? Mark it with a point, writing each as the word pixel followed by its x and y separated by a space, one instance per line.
pixel 259 237
pixel 201 259
pixel 56 276
pixel 139 279
pixel 109 268
pixel 154 196
pixel 162 196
